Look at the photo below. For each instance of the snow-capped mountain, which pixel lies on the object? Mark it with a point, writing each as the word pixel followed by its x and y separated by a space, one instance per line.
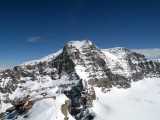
pixel 72 83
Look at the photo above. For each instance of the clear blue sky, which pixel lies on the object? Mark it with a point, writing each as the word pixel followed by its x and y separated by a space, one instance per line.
pixel 31 29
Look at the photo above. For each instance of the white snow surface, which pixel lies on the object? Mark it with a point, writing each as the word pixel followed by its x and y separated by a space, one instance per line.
pixel 109 55
pixel 4 106
pixel 140 102
pixel 78 44
pixel 48 109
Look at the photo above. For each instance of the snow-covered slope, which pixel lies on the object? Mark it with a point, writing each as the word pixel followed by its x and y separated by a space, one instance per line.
pixel 48 109
pixel 74 83
pixel 37 90
pixel 118 60
pixel 140 102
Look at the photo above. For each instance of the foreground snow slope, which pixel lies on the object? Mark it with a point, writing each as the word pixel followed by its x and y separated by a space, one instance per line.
pixel 48 109
pixel 140 102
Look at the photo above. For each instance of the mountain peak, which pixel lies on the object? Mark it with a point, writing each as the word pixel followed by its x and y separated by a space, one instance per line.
pixel 78 44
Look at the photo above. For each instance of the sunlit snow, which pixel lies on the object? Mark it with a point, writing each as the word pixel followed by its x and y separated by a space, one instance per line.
pixel 140 102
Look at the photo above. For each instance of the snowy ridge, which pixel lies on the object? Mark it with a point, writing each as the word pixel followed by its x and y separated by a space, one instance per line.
pixel 117 60
pixel 46 58
pixel 78 44
pixel 120 52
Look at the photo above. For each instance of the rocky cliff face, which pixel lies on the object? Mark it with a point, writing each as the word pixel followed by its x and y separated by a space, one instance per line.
pixel 74 71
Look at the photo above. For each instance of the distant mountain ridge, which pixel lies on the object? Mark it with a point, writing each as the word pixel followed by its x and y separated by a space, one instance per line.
pixel 1 69
pixel 70 75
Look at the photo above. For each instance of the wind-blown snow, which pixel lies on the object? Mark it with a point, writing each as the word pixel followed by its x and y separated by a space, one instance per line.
pixel 140 102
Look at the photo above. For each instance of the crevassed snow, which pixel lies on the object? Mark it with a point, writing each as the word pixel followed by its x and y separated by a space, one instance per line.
pixel 140 102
